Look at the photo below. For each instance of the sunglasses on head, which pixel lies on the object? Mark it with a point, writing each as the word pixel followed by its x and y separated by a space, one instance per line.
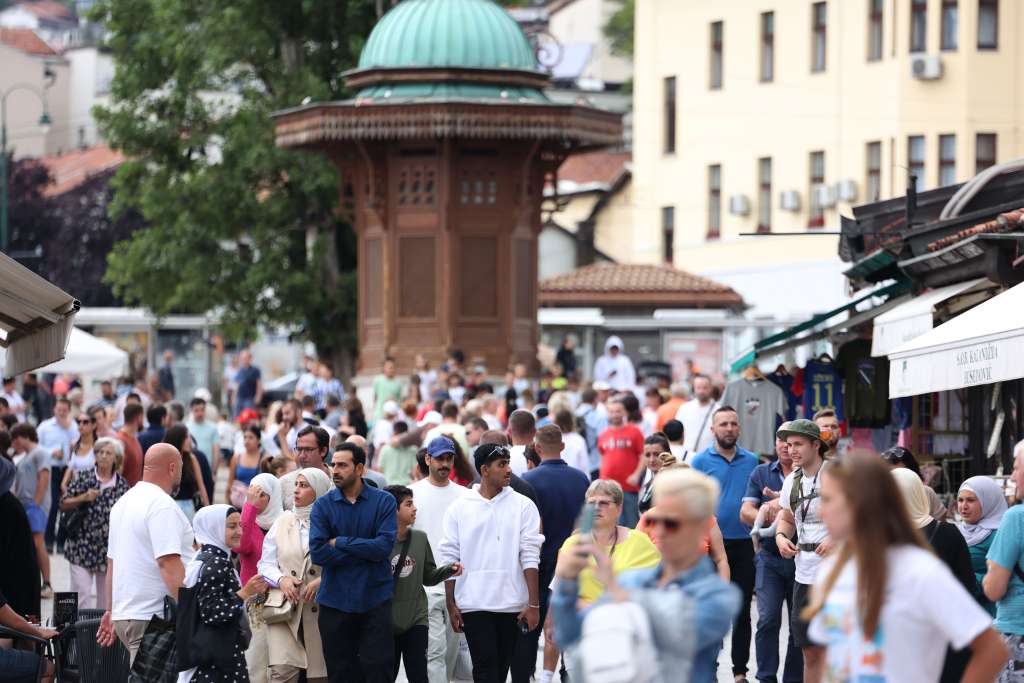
pixel 670 523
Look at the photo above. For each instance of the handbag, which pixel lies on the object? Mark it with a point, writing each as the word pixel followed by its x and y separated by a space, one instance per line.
pixel 276 608
pixel 201 644
pixel 71 522
pixel 157 658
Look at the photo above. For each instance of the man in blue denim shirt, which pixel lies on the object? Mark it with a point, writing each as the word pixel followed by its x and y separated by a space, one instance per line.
pixel 775 574
pixel 352 531
pixel 689 608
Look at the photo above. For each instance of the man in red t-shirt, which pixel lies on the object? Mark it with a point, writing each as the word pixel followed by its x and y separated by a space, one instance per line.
pixel 621 447
pixel 131 469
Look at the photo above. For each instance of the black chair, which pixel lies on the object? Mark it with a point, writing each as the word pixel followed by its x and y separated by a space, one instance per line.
pixel 85 661
pixel 44 648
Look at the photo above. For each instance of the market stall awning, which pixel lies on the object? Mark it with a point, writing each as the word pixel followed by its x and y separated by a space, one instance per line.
pixel 981 346
pixel 912 318
pixel 791 337
pixel 89 355
pixel 36 318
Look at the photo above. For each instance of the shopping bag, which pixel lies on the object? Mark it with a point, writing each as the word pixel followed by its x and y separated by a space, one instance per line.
pixel 157 658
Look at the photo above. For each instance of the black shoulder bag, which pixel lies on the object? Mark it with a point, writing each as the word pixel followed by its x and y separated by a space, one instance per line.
pixel 200 644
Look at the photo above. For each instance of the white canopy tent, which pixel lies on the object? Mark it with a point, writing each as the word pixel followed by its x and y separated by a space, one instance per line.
pixel 981 346
pixel 35 318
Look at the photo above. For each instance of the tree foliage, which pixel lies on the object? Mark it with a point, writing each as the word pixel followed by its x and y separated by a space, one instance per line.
pixel 619 29
pixel 233 224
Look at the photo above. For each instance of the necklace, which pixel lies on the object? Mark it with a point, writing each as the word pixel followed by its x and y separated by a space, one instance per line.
pixel 615 540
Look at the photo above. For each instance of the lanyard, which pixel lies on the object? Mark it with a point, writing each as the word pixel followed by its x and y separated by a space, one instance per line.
pixel 806 505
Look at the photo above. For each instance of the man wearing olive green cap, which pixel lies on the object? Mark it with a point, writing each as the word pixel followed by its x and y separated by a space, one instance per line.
pixel 800 501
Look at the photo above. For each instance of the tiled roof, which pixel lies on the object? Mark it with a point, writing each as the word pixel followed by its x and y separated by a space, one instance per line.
pixel 26 40
pixel 1004 222
pixel 49 9
pixel 637 285
pixel 594 167
pixel 74 168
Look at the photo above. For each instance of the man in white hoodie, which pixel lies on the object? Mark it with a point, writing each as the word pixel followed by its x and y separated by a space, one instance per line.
pixel 495 533
pixel 615 367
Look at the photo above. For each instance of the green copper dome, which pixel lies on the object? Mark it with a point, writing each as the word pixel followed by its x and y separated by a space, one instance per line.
pixel 474 34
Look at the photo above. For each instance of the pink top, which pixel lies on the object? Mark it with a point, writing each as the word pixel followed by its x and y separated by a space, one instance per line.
pixel 251 548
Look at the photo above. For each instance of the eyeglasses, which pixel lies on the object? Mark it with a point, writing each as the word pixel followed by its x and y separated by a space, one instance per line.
pixel 670 524
pixel 601 504
pixel 306 449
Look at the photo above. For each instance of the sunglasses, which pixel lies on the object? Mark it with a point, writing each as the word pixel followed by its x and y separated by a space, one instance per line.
pixel 669 523
pixel 85 422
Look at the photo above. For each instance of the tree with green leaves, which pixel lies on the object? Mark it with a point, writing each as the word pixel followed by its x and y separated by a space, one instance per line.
pixel 233 224
pixel 619 28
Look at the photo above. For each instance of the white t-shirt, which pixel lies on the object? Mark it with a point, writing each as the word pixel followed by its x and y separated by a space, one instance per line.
pixel 575 452
pixel 809 527
pixel 913 621
pixel 431 504
pixel 696 421
pixel 145 524
pixel 15 403
pixel 517 461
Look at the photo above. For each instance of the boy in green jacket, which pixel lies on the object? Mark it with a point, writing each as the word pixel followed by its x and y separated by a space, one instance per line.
pixel 409 606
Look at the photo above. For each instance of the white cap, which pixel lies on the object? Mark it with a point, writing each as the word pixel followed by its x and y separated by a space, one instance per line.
pixel 600 385
pixel 431 418
pixel 204 394
pixel 390 408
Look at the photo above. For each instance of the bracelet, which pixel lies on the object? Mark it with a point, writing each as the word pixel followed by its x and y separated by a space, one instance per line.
pixel 533 606
pixel 781 533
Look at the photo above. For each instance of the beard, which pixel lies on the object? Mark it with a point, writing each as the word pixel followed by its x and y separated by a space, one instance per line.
pixel 726 442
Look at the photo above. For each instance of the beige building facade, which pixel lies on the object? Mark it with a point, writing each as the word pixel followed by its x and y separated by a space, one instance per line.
pixel 779 115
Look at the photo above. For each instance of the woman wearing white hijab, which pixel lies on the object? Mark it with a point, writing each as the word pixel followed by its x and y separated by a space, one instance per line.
pixel 220 600
pixel 294 644
pixel 981 505
pixel 262 508
pixel 949 545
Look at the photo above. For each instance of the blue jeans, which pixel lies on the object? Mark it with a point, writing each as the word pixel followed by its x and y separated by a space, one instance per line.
pixel 774 585
pixel 630 515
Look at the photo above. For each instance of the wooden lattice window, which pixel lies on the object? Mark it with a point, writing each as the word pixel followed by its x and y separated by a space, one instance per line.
pixel 417 186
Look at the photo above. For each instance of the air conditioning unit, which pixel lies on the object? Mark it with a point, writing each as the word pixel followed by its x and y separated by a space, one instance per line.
pixel 847 190
pixel 789 200
pixel 739 205
pixel 824 196
pixel 926 67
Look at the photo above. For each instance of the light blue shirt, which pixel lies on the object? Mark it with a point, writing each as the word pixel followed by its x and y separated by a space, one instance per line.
pixel 1006 551
pixel 732 476
pixel 707 613
pixel 53 436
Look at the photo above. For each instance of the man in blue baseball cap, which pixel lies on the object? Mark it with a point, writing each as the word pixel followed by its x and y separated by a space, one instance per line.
pixel 433 496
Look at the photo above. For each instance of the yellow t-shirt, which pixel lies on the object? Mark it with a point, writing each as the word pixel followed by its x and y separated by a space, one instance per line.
pixel 636 552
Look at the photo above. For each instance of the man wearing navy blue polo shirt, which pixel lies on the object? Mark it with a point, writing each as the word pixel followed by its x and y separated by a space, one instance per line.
pixel 731 466
pixel 775 574
pixel 352 531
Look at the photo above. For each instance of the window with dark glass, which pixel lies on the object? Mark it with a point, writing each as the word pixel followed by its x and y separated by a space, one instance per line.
pixel 767 47
pixel 873 175
pixel 988 24
pixel 819 46
pixel 717 38
pixel 876 15
pixel 714 201
pixel 816 217
pixel 668 230
pixel 764 194
pixel 984 151
pixel 918 25
pixel 947 160
pixel 950 34
pixel 670 115
pixel 915 159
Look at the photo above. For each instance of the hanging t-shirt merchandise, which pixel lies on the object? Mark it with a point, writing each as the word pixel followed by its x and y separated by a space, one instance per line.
pixel 822 387
pixel 760 406
pixel 866 393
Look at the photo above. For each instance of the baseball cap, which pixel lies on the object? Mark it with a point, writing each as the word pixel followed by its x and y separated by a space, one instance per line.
pixel 389 408
pixel 800 428
pixel 440 446
pixel 246 415
pixel 431 418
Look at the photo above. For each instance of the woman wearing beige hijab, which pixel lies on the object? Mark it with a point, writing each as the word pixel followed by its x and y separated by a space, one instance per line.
pixel 949 544
pixel 294 644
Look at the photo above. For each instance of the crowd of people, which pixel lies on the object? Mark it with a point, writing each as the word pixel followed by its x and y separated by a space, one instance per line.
pixel 454 522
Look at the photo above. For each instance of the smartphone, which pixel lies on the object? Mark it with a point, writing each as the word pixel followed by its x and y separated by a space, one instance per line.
pixel 587 518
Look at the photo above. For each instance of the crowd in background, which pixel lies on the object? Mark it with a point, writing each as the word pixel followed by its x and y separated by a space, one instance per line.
pixel 439 527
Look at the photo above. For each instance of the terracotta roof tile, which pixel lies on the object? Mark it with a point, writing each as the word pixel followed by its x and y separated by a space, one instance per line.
pixel 636 284
pixel 49 9
pixel 26 40
pixel 594 167
pixel 74 168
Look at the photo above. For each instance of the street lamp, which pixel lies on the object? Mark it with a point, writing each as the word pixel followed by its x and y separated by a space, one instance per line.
pixel 49 76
